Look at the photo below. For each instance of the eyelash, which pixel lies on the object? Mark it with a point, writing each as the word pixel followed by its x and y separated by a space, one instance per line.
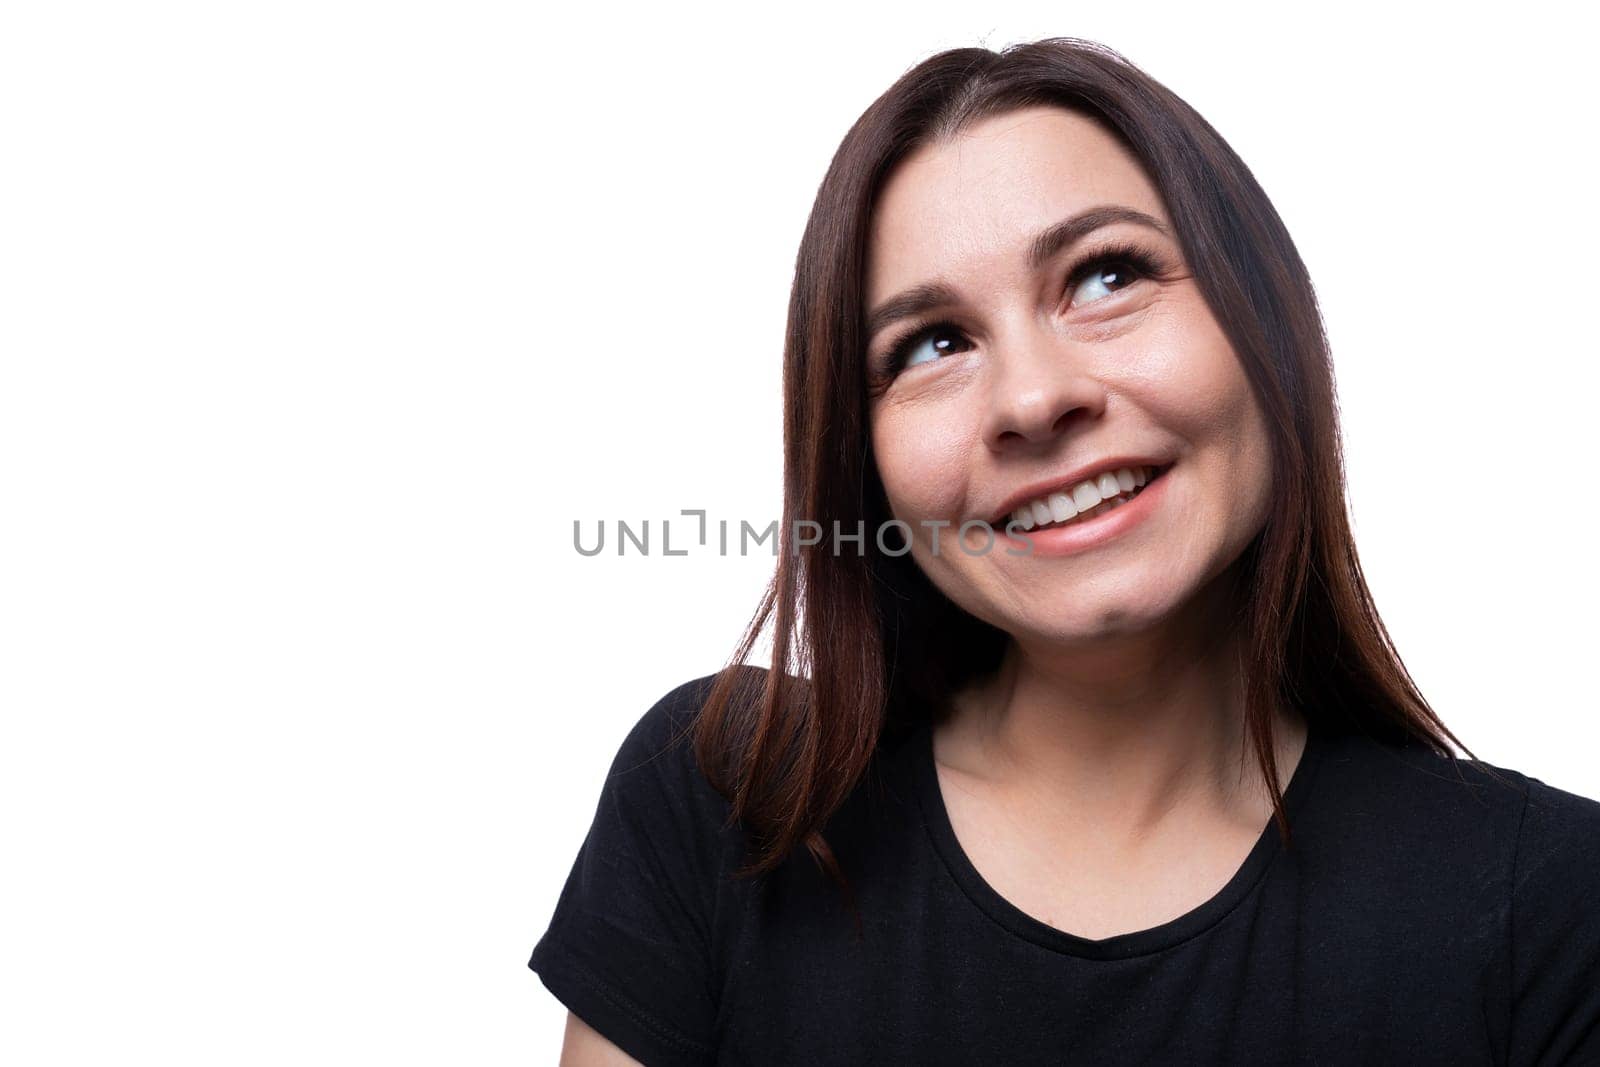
pixel 1143 263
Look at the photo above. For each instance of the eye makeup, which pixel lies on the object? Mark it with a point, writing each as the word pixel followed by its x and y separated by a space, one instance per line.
pixel 1133 262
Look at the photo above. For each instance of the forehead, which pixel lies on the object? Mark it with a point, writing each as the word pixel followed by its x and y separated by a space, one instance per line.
pixel 979 198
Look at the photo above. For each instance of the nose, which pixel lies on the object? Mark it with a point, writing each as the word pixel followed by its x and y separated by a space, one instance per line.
pixel 1040 385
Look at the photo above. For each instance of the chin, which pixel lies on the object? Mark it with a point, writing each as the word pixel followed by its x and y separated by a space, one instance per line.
pixel 1084 627
pixel 1084 620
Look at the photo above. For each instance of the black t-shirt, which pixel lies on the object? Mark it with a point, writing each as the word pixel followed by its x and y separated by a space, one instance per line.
pixel 1425 912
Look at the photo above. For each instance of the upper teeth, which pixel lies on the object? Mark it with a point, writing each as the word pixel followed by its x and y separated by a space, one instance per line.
pixel 1064 504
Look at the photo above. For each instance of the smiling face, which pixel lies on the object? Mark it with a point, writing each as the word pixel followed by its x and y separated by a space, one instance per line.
pixel 1042 359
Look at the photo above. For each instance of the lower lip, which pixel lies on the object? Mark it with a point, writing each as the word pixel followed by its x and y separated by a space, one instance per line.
pixel 1107 526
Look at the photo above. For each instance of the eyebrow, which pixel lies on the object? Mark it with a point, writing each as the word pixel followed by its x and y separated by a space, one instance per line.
pixel 1045 244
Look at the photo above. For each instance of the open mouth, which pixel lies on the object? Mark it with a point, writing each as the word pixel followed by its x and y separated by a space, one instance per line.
pixel 1063 508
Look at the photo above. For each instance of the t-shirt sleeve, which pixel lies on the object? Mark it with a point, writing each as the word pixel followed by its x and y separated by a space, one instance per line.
pixel 629 947
pixel 1555 930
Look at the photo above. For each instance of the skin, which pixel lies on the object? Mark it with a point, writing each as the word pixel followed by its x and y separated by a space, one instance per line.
pixel 1100 781
pixel 584 1046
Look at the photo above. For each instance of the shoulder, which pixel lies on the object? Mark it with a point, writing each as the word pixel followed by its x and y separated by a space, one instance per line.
pixel 1553 944
pixel 1421 815
pixel 1481 871
pixel 641 930
pixel 1466 843
pixel 1424 788
pixel 662 737
pixel 1557 853
pixel 657 756
pixel 661 733
pixel 658 772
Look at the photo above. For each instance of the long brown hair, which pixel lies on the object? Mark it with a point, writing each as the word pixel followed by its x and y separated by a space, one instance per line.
pixel 863 644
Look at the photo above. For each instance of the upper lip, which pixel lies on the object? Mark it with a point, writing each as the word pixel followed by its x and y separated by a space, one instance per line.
pixel 1061 483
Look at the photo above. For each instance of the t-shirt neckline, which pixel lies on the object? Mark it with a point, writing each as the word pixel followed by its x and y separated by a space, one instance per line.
pixel 1118 946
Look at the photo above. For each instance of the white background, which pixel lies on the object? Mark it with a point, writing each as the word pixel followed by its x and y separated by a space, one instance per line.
pixel 323 321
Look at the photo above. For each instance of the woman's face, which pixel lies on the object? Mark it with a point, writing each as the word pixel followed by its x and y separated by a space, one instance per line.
pixel 1055 361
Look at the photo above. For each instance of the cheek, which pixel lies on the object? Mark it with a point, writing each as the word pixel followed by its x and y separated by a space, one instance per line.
pixel 1190 375
pixel 922 461
pixel 1197 385
pixel 1233 426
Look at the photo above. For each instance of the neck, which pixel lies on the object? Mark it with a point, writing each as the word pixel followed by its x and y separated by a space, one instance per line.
pixel 1123 730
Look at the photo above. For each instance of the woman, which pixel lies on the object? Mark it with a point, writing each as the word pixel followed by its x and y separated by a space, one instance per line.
pixel 1110 759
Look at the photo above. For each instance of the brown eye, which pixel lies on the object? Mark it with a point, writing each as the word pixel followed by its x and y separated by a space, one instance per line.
pixel 1103 278
pixel 933 343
